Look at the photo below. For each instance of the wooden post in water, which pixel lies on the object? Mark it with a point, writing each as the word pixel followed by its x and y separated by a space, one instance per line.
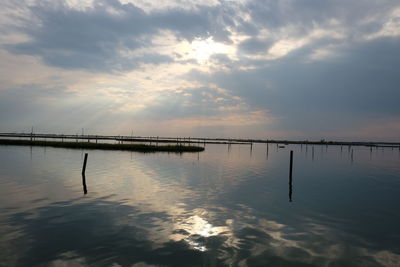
pixel 291 164
pixel 290 175
pixel 84 184
pixel 84 164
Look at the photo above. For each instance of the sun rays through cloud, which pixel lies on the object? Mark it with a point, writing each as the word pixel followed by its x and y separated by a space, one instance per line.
pixel 207 65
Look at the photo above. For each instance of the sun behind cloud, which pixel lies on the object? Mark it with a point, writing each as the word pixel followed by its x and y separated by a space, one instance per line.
pixel 203 49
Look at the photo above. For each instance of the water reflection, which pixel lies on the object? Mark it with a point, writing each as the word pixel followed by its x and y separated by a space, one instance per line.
pixel 104 232
pixel 184 210
pixel 195 230
pixel 290 188
pixel 290 176
pixel 99 232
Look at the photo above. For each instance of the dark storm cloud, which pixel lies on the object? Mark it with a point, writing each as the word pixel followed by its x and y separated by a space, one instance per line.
pixel 93 38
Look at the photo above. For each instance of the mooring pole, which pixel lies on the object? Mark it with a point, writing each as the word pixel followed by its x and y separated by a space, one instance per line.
pixel 290 175
pixel 291 164
pixel 84 164
pixel 84 183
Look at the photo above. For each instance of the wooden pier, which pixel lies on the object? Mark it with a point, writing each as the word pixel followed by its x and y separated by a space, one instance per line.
pixel 185 140
pixel 121 138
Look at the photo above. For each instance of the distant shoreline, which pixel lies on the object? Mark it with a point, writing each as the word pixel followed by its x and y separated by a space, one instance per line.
pixel 103 146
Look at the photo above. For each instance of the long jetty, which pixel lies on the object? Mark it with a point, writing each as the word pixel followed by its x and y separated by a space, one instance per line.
pixel 122 138
pixel 185 140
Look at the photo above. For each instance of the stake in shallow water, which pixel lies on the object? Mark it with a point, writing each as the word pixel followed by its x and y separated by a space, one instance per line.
pixel 84 183
pixel 290 175
pixel 84 164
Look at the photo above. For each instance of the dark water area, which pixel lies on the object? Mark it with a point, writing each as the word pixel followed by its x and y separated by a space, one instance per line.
pixel 226 206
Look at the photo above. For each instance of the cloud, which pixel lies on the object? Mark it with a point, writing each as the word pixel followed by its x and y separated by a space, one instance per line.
pixel 341 92
pixel 93 38
pixel 313 66
pixel 254 46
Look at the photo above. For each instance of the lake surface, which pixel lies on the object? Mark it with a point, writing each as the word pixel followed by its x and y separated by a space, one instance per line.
pixel 226 206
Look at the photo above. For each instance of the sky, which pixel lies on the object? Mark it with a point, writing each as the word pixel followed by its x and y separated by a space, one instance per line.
pixel 271 69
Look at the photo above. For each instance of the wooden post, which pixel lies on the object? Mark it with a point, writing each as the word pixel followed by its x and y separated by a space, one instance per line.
pixel 291 164
pixel 84 183
pixel 84 164
pixel 290 175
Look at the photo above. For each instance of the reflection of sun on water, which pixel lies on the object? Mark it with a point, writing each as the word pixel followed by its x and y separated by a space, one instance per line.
pixel 195 229
pixel 203 49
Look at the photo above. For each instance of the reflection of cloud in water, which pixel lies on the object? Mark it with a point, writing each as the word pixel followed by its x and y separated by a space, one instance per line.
pixel 169 212
pixel 195 229
pixel 106 232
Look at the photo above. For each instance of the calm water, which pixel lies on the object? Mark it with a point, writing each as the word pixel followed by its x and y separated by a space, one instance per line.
pixel 224 206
